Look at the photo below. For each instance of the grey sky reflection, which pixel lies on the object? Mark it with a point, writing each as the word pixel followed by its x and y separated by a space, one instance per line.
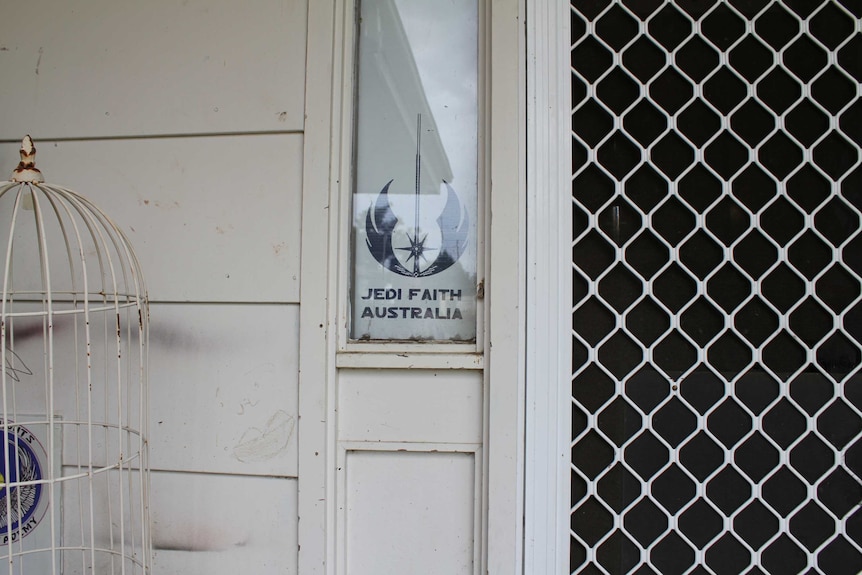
pixel 417 58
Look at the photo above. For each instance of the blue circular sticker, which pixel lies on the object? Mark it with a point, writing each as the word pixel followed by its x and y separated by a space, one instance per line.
pixel 22 462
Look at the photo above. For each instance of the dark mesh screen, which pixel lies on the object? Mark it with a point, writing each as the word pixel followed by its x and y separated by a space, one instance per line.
pixel 717 255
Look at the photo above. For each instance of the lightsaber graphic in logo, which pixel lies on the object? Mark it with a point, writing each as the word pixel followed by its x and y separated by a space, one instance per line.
pixel 380 222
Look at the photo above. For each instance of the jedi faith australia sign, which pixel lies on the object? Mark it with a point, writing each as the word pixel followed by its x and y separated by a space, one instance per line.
pixel 416 193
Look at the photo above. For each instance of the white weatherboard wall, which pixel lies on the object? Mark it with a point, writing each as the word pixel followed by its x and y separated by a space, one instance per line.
pixel 183 120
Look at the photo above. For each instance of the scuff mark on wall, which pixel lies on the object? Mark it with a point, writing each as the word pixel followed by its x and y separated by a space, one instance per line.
pixel 246 402
pixel 179 338
pixel 261 445
pixel 157 204
pixel 196 538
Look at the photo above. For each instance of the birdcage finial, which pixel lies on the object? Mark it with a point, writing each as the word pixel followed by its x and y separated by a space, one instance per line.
pixel 26 170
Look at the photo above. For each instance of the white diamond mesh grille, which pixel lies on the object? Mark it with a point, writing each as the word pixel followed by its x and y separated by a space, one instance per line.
pixel 717 256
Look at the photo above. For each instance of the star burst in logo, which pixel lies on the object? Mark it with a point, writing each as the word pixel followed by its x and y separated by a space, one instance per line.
pixel 417 248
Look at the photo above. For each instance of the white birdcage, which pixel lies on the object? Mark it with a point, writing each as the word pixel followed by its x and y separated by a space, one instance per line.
pixel 73 401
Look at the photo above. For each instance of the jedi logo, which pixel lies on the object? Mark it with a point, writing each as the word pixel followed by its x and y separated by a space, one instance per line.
pixel 418 258
pixel 380 223
pixel 22 501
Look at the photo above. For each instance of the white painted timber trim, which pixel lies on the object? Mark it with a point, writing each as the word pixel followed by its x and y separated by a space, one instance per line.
pixel 505 294
pixel 406 360
pixel 549 318
pixel 316 325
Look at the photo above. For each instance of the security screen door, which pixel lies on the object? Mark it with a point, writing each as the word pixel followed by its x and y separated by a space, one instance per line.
pixel 716 384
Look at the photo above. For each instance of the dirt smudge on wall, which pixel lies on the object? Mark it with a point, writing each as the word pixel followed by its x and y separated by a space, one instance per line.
pixel 262 445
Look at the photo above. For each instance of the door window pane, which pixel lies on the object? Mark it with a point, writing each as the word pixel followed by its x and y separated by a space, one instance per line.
pixel 416 172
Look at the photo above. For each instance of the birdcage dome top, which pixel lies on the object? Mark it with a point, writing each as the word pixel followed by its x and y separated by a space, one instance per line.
pixel 58 247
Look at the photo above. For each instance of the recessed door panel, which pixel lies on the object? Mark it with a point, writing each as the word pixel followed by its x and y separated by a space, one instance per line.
pixel 409 512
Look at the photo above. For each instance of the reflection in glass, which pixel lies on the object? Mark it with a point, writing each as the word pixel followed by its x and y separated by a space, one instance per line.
pixel 415 196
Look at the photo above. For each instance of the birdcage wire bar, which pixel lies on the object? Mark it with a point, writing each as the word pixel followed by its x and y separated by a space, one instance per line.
pixel 73 346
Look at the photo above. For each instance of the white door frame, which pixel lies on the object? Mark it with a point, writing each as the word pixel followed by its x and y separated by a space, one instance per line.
pixel 317 293
pixel 549 291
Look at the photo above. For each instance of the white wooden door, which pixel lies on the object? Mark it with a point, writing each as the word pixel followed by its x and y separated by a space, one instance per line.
pixel 410 453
